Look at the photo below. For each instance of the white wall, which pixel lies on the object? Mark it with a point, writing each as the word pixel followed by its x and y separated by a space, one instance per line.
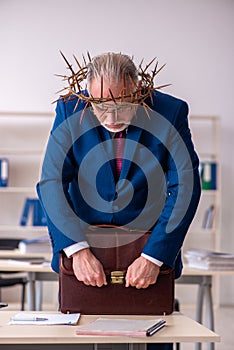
pixel 194 38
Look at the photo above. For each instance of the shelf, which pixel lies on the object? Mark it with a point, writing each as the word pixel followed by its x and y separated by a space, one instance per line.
pixel 23 152
pixel 17 189
pixel 31 115
pixel 23 137
pixel 17 228
pixel 209 192
pixel 202 231
pixel 208 156
pixel 211 118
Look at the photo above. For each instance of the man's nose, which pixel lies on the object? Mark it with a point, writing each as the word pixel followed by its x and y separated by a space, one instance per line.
pixel 110 117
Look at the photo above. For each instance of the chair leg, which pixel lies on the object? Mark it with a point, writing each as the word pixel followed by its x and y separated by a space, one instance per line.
pixel 177 308
pixel 176 305
pixel 23 297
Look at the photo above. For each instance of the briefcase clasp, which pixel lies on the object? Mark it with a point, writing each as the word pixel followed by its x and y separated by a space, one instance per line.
pixel 117 277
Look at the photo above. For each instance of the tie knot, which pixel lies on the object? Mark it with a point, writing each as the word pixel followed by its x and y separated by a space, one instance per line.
pixel 119 135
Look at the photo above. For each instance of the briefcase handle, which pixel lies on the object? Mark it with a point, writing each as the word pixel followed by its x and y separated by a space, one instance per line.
pixel 123 228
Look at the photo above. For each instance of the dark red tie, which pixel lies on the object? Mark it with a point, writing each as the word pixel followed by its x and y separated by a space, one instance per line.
pixel 119 151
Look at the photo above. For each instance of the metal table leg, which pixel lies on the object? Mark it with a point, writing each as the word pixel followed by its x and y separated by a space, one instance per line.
pixel 209 308
pixel 204 295
pixel 199 309
pixel 31 291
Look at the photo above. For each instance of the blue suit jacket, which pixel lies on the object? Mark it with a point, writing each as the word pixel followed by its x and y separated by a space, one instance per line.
pixel 78 186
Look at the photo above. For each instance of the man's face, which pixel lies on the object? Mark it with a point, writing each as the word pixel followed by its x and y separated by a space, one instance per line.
pixel 113 116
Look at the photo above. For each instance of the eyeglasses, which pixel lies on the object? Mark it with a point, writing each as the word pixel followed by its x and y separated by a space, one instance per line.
pixel 117 109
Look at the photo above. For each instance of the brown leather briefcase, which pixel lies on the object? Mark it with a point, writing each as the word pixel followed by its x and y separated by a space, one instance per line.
pixel 114 298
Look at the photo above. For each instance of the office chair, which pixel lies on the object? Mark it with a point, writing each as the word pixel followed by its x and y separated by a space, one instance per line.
pixel 10 244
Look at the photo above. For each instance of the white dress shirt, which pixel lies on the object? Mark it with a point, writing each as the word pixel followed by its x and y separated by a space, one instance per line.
pixel 84 244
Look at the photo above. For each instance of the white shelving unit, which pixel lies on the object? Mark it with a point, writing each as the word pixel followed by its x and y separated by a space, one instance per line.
pixel 23 137
pixel 206 137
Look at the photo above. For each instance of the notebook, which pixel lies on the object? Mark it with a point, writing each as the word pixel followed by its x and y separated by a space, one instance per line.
pixel 120 327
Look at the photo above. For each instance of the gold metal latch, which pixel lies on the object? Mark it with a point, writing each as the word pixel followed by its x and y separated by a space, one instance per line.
pixel 117 277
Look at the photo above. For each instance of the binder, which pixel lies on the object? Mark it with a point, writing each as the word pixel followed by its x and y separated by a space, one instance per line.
pixel 43 220
pixel 208 175
pixel 26 210
pixel 33 213
pixel 209 216
pixel 4 172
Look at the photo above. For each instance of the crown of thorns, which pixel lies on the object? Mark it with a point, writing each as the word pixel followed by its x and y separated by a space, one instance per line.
pixel 76 83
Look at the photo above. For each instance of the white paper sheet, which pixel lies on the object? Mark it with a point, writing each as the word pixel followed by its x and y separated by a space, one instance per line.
pixel 23 318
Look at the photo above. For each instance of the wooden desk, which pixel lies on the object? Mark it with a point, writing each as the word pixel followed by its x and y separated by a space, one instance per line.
pixel 179 329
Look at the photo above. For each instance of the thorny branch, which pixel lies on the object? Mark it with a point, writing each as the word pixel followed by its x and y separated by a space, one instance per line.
pixel 76 81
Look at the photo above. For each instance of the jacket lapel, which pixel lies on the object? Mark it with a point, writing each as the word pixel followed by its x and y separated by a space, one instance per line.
pixel 105 152
pixel 132 139
pixel 105 155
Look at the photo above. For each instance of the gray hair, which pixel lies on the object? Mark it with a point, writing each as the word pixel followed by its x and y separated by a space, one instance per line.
pixel 112 66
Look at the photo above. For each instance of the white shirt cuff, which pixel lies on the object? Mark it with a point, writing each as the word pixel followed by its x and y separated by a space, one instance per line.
pixel 153 260
pixel 84 244
pixel 75 248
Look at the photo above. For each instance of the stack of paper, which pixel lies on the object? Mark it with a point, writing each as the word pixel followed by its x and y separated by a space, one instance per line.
pixel 24 318
pixel 209 260
pixel 38 245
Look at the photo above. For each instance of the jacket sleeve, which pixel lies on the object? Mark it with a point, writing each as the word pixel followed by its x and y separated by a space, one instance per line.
pixel 183 193
pixel 58 170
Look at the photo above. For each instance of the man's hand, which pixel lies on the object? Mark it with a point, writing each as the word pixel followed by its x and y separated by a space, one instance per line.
pixel 88 269
pixel 141 273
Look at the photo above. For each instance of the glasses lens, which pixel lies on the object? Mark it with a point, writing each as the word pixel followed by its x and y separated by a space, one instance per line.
pixel 118 108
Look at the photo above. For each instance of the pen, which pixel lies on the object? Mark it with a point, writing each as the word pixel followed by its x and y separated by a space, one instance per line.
pixel 3 304
pixel 29 319
pixel 153 329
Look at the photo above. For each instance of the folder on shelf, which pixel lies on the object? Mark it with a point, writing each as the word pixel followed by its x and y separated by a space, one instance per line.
pixel 39 218
pixel 208 175
pixel 43 220
pixel 25 214
pixel 209 217
pixel 4 172
pixel 33 213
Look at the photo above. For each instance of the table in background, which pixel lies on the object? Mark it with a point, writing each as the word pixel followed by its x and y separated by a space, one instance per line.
pixel 179 329
pixel 203 278
pixel 40 272
pixel 36 273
